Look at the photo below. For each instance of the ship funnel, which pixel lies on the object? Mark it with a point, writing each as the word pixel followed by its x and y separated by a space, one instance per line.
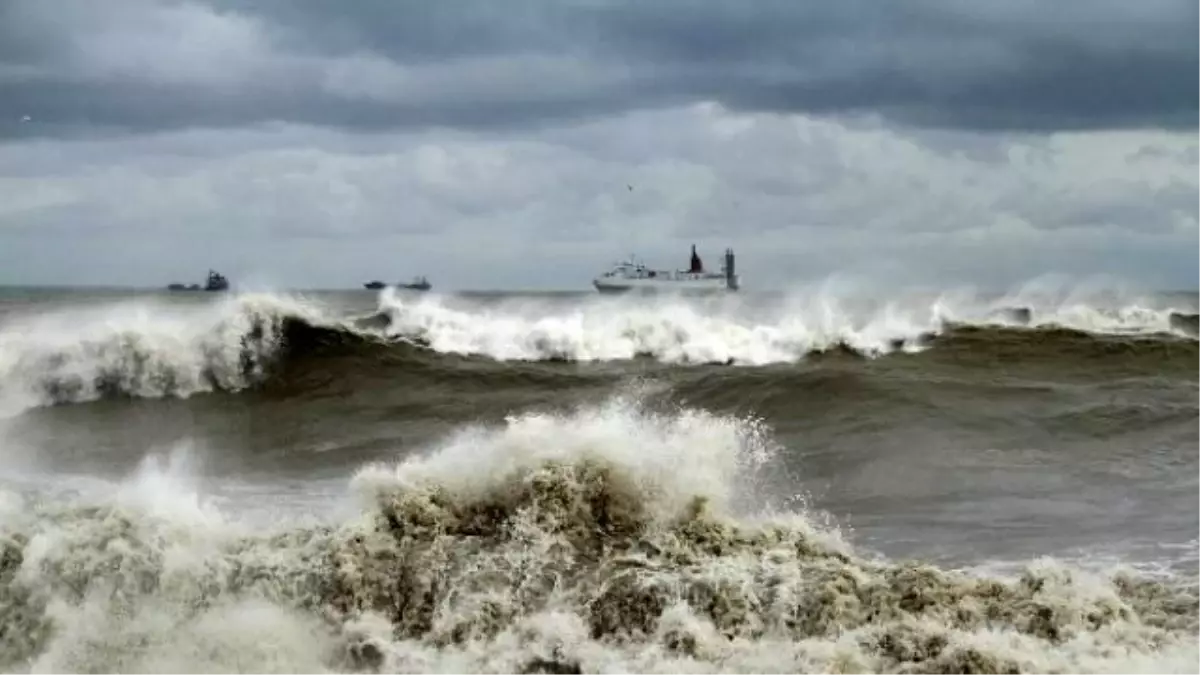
pixel 731 279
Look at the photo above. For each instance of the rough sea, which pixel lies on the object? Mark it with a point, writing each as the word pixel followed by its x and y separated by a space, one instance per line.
pixel 833 479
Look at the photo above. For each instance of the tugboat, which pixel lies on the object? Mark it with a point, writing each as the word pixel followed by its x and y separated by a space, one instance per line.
pixel 215 282
pixel 631 276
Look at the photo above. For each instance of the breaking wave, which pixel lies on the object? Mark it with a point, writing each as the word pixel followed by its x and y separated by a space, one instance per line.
pixel 157 350
pixel 152 350
pixel 723 331
pixel 608 539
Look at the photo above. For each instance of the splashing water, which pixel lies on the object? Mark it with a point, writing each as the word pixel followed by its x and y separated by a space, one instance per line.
pixel 609 538
pixel 151 350
pixel 728 330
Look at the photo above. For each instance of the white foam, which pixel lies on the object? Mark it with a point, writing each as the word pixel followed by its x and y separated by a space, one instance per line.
pixel 671 457
pixel 670 330
pixel 142 348
pixel 733 329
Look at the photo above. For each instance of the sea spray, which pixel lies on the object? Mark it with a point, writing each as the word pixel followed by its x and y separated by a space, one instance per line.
pixel 609 538
pixel 742 332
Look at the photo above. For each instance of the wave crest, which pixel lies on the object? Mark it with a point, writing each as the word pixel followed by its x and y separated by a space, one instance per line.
pixel 673 330
pixel 154 350
pixel 159 350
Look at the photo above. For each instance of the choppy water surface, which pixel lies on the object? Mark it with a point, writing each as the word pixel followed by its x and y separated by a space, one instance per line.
pixel 822 480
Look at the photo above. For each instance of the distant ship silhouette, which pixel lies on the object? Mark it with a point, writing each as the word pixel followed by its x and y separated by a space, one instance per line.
pixel 418 284
pixel 215 282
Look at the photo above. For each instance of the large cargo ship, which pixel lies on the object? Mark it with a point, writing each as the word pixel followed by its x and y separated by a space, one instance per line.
pixel 632 276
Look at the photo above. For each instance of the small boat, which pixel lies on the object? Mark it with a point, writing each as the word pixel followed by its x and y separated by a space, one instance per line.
pixel 215 282
pixel 374 285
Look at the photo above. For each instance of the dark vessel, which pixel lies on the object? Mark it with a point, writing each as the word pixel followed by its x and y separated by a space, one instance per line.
pixel 215 282
pixel 417 284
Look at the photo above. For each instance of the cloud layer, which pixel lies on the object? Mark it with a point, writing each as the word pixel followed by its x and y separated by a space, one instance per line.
pixel 798 196
pixel 314 143
pixel 387 64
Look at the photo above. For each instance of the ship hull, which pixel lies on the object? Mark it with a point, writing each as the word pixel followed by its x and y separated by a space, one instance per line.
pixel 196 288
pixel 637 287
pixel 378 285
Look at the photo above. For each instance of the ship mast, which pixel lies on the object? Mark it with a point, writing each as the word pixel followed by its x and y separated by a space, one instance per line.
pixel 697 266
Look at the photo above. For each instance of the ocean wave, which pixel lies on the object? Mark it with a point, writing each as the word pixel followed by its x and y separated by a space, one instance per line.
pixel 151 350
pixel 610 538
pixel 158 350
pixel 676 331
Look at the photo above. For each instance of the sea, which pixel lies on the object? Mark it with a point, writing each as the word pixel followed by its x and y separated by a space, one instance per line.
pixel 840 477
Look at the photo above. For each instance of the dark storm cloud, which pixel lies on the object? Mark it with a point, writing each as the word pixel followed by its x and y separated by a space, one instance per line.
pixel 373 64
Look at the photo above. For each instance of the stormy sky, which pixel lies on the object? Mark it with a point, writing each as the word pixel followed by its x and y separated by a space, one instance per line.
pixel 522 144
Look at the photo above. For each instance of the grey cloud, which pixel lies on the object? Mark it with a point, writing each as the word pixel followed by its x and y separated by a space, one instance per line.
pixel 1187 156
pixel 60 109
pixel 386 64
